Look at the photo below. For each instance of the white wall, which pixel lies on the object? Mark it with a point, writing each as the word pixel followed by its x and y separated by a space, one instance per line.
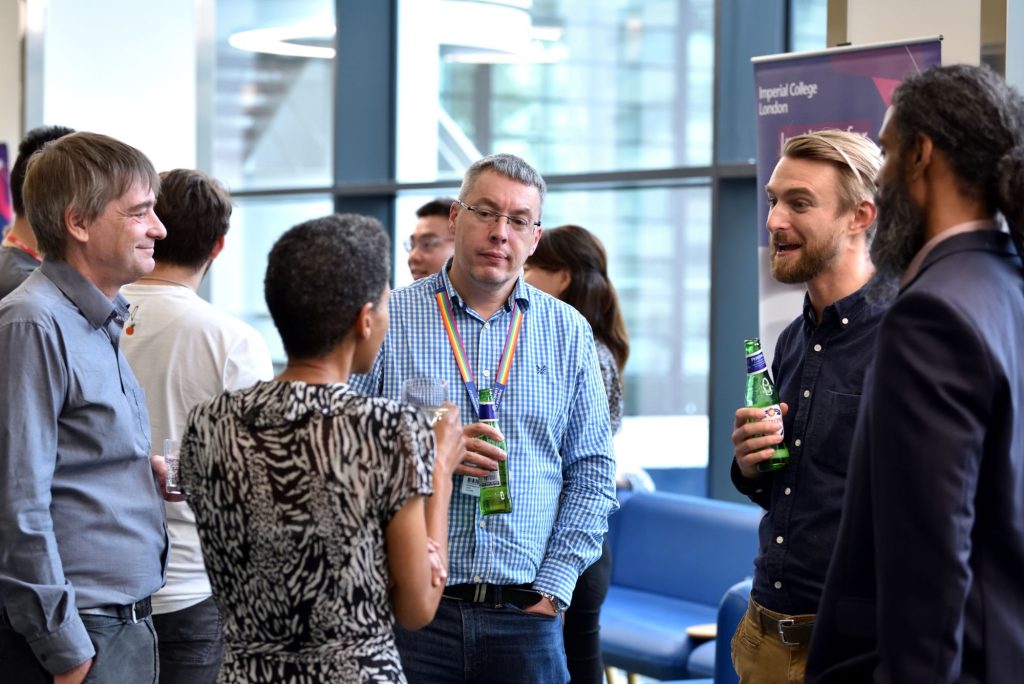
pixel 10 75
pixel 124 68
pixel 958 21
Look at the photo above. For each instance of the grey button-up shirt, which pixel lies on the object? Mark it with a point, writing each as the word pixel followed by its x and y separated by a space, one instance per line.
pixel 81 517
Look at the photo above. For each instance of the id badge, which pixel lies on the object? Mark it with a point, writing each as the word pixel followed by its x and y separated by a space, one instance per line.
pixel 470 485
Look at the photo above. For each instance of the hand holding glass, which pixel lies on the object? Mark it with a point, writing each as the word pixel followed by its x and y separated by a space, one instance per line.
pixel 428 395
pixel 172 448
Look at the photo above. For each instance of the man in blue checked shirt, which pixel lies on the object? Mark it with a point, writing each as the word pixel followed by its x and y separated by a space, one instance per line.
pixel 510 575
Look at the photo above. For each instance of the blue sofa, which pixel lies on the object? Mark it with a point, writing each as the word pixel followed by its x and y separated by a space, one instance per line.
pixel 714 658
pixel 673 559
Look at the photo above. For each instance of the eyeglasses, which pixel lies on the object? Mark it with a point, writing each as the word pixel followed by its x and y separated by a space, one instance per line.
pixel 427 244
pixel 491 218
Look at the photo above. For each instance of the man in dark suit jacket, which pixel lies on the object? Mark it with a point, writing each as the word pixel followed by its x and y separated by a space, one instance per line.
pixel 926 581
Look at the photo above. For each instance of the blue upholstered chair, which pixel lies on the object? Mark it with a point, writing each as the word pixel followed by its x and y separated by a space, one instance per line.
pixel 674 558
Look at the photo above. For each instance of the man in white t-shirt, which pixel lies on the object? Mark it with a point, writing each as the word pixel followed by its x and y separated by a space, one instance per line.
pixel 185 351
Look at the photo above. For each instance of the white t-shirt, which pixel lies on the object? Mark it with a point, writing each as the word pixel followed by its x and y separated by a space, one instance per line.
pixel 184 351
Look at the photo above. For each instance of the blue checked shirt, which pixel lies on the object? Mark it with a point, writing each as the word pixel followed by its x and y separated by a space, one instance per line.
pixel 554 416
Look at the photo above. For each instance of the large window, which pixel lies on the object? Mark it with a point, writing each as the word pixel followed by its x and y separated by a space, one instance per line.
pixel 575 86
pixel 272 93
pixel 594 94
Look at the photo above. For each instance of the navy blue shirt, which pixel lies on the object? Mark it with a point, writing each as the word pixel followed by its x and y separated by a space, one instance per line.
pixel 819 369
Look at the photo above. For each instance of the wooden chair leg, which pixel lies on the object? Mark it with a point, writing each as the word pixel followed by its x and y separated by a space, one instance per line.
pixel 632 678
pixel 609 675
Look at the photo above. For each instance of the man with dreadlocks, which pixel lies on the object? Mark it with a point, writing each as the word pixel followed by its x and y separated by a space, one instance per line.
pixel 925 584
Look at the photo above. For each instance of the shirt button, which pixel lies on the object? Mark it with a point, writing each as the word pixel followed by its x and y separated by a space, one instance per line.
pixel 788 491
pixel 845 321
pixel 480 524
pixel 778 540
pixel 487 325
pixel 797 442
pixel 817 347
pixel 476 578
pixel 807 393
pixel 778 585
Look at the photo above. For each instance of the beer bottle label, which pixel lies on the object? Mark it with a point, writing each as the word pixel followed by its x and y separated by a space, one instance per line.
pixel 755 363
pixel 470 485
pixel 773 415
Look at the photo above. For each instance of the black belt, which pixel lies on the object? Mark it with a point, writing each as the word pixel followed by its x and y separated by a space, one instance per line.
pixel 519 595
pixel 133 612
pixel 790 631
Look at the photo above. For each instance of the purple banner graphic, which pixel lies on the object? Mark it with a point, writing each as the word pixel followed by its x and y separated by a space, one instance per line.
pixel 847 88
pixel 6 211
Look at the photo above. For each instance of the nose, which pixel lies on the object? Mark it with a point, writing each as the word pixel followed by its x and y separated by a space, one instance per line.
pixel 500 229
pixel 156 229
pixel 776 219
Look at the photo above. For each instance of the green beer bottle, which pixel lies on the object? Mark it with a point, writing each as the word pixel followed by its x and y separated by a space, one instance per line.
pixel 761 393
pixel 494 496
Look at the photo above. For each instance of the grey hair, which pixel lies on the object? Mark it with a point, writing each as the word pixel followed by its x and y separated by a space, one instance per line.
pixel 507 165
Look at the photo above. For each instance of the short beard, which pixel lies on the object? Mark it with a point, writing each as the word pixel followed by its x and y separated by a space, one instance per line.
pixel 898 238
pixel 815 260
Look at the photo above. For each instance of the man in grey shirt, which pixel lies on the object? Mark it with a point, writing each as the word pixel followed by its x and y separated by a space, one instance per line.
pixel 19 253
pixel 82 537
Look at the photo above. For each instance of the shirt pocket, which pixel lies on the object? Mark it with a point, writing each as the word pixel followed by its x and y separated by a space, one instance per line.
pixel 831 432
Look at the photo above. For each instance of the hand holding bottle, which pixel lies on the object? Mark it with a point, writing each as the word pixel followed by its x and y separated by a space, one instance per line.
pixel 754 439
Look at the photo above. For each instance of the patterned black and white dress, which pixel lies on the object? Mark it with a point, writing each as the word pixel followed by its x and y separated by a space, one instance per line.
pixel 293 486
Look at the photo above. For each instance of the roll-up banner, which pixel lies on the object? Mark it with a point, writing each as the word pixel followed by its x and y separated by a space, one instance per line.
pixel 846 87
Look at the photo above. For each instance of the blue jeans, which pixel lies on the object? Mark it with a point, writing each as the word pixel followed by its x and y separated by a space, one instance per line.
pixel 191 644
pixel 471 643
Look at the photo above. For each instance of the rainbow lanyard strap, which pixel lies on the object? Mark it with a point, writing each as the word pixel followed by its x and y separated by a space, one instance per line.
pixel 444 305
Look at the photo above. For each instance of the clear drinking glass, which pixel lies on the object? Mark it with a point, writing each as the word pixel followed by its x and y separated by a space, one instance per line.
pixel 172 449
pixel 428 395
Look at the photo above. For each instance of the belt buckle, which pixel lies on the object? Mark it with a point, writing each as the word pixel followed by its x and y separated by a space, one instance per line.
pixel 135 620
pixel 788 622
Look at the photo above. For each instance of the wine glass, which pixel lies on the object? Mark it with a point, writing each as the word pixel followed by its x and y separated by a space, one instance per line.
pixel 428 395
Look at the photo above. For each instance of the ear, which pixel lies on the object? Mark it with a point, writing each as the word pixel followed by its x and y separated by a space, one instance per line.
pixel 217 248
pixel 364 322
pixel 921 156
pixel 453 211
pixel 863 216
pixel 536 240
pixel 75 225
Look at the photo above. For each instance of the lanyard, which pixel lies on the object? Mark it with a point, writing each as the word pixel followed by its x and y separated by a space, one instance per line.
pixel 444 305
pixel 15 242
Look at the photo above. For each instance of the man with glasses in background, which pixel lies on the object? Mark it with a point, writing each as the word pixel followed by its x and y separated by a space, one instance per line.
pixel 430 244
pixel 512 574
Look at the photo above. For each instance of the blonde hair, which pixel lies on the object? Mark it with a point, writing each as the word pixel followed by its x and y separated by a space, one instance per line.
pixel 855 156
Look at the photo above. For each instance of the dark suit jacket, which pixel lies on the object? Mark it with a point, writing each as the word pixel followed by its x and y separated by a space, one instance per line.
pixel 927 581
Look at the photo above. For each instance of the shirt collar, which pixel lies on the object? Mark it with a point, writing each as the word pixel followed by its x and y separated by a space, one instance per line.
pixel 520 293
pixel 846 309
pixel 93 304
pixel 918 261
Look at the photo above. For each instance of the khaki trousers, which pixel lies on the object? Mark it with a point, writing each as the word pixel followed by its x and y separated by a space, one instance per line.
pixel 760 656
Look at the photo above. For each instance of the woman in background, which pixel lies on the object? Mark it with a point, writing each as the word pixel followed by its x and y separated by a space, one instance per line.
pixel 570 263
pixel 315 505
